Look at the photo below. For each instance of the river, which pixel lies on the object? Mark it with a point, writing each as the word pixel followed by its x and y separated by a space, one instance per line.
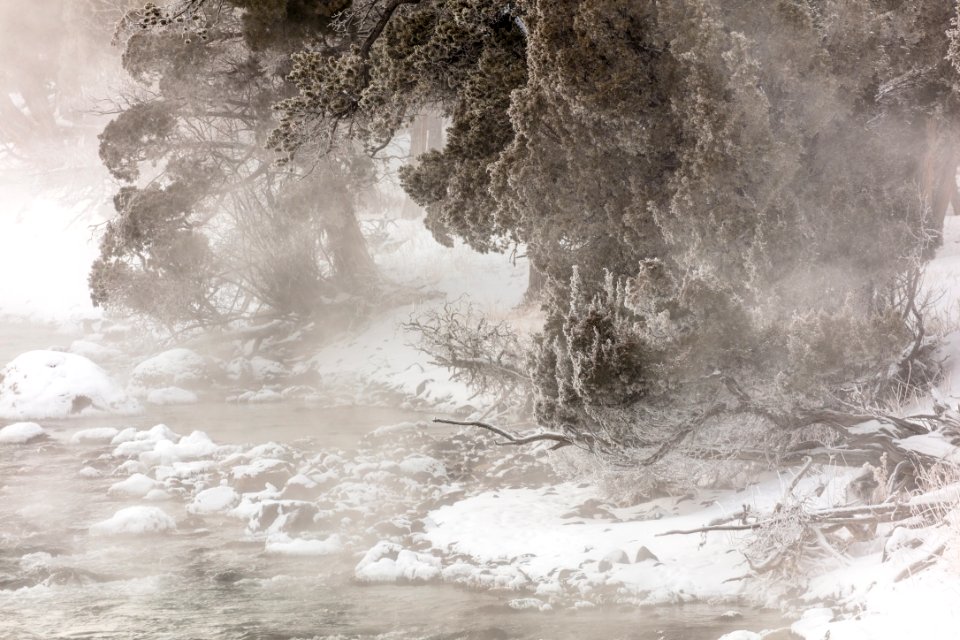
pixel 210 580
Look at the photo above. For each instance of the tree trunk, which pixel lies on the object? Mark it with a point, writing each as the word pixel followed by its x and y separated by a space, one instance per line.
pixel 938 180
pixel 535 282
pixel 353 267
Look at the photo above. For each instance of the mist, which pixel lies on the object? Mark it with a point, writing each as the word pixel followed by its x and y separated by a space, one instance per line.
pixel 555 319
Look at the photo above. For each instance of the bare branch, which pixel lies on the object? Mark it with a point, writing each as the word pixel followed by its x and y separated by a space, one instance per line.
pixel 560 439
pixel 381 24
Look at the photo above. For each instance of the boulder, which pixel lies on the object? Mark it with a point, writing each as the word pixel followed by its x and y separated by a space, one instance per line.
pixel 55 384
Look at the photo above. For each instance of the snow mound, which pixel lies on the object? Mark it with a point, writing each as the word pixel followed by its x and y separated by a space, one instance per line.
pixel 53 384
pixel 133 521
pixel 174 368
pixel 21 433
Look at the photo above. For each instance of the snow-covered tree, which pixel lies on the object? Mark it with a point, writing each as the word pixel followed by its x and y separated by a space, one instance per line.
pixel 209 229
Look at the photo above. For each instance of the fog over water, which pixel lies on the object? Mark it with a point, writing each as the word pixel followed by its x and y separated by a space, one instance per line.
pixel 60 578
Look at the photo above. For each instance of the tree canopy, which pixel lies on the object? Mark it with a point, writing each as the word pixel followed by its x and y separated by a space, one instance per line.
pixel 706 187
pixel 698 180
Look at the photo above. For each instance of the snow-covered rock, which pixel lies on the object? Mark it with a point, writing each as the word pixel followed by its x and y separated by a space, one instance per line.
pixel 183 470
pixel 94 351
pixel 389 562
pixel 285 545
pixel 422 464
pixel 266 370
pixel 54 384
pixel 171 395
pixel 214 500
pixel 134 521
pixel 282 516
pixel 614 557
pixel 528 604
pixel 167 451
pixel 95 435
pixel 261 396
pixel 21 433
pixel 157 495
pixel 301 487
pixel 238 370
pixel 254 476
pixel 174 368
pixel 136 486
pixel 132 442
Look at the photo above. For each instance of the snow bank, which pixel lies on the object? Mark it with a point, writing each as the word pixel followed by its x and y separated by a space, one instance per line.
pixel 135 521
pixel 53 384
pixel 543 542
pixel 21 433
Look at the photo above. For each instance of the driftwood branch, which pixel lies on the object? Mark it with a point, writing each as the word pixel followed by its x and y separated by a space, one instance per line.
pixel 708 529
pixel 512 439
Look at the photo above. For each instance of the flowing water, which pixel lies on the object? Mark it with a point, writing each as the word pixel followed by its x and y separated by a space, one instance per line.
pixel 210 580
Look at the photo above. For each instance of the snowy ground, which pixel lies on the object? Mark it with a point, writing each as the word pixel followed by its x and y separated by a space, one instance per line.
pixel 383 356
